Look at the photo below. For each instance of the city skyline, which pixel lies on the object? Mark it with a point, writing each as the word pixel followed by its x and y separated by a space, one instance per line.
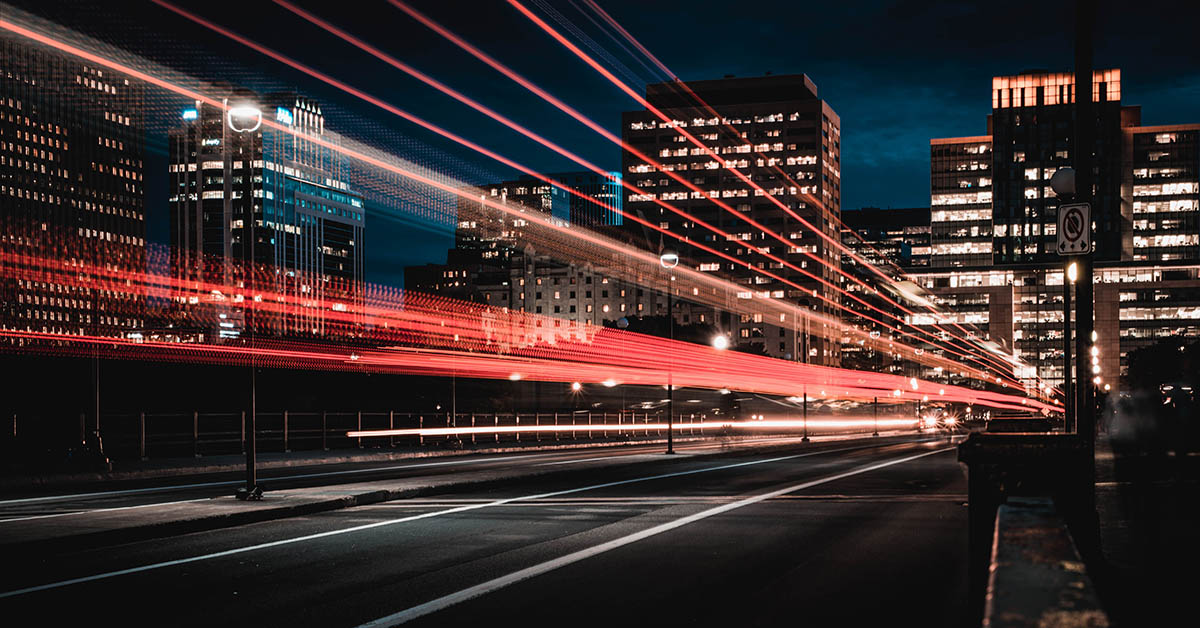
pixel 887 156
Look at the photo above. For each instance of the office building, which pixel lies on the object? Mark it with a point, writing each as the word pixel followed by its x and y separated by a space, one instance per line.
pixel 250 195
pixel 776 131
pixel 993 260
pixel 71 184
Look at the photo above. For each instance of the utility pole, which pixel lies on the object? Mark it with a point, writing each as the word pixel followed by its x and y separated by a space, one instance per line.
pixel 1069 424
pixel 805 439
pixel 1085 131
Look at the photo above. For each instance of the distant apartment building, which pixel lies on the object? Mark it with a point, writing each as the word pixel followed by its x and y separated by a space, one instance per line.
pixel 72 145
pixel 778 132
pixel 993 263
pixel 247 195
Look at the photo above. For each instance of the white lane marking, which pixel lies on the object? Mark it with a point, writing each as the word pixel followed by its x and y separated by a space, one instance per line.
pixel 133 491
pixel 379 524
pixel 548 464
pixel 96 510
pixel 479 590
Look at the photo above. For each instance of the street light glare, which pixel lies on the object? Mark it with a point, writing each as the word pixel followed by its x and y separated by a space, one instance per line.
pixel 669 259
pixel 720 342
pixel 576 386
pixel 1072 272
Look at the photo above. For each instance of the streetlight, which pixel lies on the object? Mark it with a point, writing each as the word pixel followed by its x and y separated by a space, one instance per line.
pixel 246 118
pixel 720 342
pixel 670 259
pixel 1072 273
pixel 622 323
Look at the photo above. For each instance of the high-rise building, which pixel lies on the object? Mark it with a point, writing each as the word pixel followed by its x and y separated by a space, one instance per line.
pixel 247 195
pixel 960 201
pixel 778 132
pixel 1166 192
pixel 71 165
pixel 993 262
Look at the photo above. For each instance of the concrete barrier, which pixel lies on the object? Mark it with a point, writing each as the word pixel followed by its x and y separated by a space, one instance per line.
pixel 1037 577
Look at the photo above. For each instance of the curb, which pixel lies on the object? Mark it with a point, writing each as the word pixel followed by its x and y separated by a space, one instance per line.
pixel 210 522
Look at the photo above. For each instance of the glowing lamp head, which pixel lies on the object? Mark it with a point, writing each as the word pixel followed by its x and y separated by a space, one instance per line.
pixel 244 118
pixel 609 383
pixel 1095 336
pixel 913 382
pixel 514 377
pixel 720 342
pixel 576 386
pixel 669 259
pixel 1072 272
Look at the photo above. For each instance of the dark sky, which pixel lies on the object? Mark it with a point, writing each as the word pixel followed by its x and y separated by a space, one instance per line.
pixel 898 73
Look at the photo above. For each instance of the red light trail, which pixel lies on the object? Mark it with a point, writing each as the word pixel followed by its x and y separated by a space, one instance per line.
pixel 741 176
pixel 649 260
pixel 529 85
pixel 441 87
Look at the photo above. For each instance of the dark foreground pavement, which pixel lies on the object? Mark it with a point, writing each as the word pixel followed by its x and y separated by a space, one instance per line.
pixel 846 536
pixel 1148 502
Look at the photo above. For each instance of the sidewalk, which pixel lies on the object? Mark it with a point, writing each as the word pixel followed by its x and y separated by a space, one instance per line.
pixel 127 525
pixel 1149 510
pixel 126 470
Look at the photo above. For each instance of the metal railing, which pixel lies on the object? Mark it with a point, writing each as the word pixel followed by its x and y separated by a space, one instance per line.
pixel 148 435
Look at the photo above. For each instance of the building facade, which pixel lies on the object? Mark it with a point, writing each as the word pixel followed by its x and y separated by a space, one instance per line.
pixel 254 204
pixel 71 185
pixel 993 262
pixel 777 132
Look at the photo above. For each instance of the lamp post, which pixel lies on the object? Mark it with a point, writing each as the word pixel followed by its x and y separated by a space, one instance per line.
pixel 805 415
pixel 245 120
pixel 668 260
pixel 1085 128
pixel 622 323
pixel 1072 273
pixel 875 407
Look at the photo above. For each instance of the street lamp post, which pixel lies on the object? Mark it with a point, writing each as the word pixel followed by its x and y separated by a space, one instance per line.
pixel 1085 126
pixel 622 323
pixel 669 260
pixel 805 415
pixel 1068 403
pixel 246 119
pixel 875 407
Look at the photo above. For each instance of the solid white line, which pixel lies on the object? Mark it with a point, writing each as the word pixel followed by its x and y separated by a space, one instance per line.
pixel 379 524
pixel 478 590
pixel 549 464
pixel 89 512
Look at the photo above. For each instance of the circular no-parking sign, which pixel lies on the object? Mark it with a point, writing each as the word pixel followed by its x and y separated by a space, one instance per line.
pixel 1074 229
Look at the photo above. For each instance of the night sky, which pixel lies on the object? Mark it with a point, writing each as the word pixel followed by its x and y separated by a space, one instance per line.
pixel 897 73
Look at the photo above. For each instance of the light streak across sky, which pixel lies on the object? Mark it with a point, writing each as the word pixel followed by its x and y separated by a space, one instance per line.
pixel 427 334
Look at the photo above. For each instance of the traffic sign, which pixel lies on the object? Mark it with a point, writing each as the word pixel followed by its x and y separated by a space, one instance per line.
pixel 1075 229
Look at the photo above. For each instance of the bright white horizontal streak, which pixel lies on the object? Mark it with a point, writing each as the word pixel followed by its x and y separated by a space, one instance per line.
pixel 378 524
pixel 626 427
pixel 479 590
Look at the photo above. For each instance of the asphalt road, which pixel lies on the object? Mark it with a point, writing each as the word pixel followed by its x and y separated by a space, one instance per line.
pixel 843 536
